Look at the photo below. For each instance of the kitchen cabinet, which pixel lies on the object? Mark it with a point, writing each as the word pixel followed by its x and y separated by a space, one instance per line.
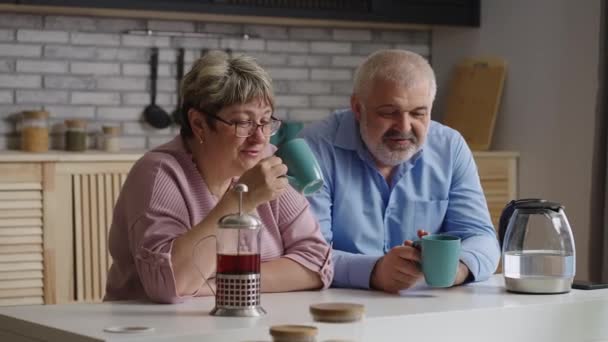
pixel 428 12
pixel 56 210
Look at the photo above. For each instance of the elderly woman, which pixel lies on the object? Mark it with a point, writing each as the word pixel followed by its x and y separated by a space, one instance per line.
pixel 176 193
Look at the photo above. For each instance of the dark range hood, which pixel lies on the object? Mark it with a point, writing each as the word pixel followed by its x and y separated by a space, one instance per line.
pixel 425 12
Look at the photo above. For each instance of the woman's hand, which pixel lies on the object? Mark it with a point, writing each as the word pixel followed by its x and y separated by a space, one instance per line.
pixel 266 181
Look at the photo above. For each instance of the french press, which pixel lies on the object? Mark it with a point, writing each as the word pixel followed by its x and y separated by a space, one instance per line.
pixel 238 281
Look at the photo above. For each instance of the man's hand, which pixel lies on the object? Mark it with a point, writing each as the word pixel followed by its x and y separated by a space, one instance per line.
pixel 399 269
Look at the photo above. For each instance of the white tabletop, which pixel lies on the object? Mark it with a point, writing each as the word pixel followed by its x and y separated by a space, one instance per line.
pixel 474 312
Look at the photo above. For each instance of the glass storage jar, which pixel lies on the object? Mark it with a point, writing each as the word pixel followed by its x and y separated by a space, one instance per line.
pixel 111 138
pixel 35 131
pixel 75 135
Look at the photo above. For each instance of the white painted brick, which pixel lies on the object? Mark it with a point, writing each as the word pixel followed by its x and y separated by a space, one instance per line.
pixel 280 87
pixel 7 35
pixel 121 54
pixel 7 65
pixel 330 47
pixel 119 113
pixel 143 41
pixel 42 66
pixel 95 98
pixel 347 61
pixel 69 23
pixel 6 96
pixel 171 25
pixel 157 141
pixel 167 55
pixel 242 44
pixel 42 96
pixel 69 82
pixel 196 42
pixel 266 31
pixel 120 25
pixel 40 36
pixel 96 39
pixel 20 50
pixel 139 69
pixel 221 28
pixel 395 36
pixel 142 128
pixel 309 87
pixel 288 73
pixel 143 99
pixel 91 68
pixel 132 143
pixel 330 101
pixel 13 81
pixel 342 88
pixel 287 46
pixel 421 37
pixel 70 52
pixel 165 84
pixel 368 48
pixel 121 83
pixel 304 60
pixel 352 35
pixel 292 101
pixel 423 50
pixel 20 20
pixel 331 74
pixel 69 112
pixel 309 33
pixel 308 115
pixel 267 59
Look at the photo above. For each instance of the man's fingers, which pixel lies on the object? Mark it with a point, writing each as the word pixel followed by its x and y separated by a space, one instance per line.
pixel 407 253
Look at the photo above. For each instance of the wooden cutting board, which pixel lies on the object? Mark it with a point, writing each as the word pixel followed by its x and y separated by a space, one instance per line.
pixel 473 99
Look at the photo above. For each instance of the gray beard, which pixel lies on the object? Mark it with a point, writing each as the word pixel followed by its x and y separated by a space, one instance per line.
pixel 384 154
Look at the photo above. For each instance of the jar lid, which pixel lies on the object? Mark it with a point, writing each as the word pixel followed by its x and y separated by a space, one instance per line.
pixel 111 130
pixel 75 123
pixel 35 114
pixel 337 312
pixel 293 331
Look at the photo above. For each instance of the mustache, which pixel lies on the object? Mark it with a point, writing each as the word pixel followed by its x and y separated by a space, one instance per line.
pixel 394 134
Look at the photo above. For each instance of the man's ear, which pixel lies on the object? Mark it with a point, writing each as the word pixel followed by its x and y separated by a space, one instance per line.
pixel 355 106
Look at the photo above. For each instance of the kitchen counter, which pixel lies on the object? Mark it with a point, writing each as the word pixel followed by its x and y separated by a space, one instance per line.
pixel 9 156
pixel 475 312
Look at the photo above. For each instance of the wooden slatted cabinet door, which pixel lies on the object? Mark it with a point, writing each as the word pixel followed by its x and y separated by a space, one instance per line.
pixel 21 234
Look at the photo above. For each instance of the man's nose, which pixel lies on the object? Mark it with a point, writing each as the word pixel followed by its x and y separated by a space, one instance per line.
pixel 403 122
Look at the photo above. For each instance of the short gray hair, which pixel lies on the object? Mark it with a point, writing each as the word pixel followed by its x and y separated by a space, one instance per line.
pixel 218 80
pixel 404 67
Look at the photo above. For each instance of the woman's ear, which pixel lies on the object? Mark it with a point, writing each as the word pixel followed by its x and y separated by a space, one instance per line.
pixel 195 118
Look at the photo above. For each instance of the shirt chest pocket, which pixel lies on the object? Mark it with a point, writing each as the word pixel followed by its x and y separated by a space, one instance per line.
pixel 429 215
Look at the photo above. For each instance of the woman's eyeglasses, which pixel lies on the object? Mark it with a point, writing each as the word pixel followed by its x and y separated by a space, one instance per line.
pixel 246 128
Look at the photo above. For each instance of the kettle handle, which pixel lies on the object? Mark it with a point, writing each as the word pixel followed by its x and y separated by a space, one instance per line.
pixel 506 214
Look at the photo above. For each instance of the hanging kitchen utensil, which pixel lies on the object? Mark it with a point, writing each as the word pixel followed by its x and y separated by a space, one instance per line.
pixel 177 112
pixel 153 114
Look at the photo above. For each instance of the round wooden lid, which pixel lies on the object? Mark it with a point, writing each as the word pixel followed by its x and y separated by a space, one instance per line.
pixel 293 331
pixel 35 114
pixel 111 130
pixel 337 312
pixel 75 123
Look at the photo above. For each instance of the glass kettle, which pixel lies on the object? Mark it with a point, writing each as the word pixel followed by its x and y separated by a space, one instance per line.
pixel 538 252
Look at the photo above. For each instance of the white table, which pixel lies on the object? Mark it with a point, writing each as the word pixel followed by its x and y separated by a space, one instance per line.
pixel 476 312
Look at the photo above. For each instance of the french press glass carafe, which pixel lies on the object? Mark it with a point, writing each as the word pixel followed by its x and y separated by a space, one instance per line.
pixel 237 277
pixel 537 247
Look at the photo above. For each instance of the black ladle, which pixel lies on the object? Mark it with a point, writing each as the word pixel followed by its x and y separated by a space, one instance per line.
pixel 177 112
pixel 153 114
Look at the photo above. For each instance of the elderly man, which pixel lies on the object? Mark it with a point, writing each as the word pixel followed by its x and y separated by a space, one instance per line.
pixel 391 174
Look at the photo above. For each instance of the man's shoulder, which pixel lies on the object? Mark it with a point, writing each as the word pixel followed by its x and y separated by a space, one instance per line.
pixel 326 129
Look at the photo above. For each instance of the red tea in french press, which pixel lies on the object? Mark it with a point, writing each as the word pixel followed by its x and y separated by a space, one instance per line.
pixel 237 279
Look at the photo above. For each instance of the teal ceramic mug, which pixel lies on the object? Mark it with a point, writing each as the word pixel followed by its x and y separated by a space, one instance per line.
pixel 304 172
pixel 288 131
pixel 440 255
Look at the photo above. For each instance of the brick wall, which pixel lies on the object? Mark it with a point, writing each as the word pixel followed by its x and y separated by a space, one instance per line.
pixel 89 68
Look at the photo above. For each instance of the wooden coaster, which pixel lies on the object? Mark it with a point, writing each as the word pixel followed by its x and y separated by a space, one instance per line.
pixel 337 312
pixel 293 332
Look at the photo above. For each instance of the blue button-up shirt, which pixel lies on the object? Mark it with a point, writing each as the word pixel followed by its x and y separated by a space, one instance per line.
pixel 437 190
